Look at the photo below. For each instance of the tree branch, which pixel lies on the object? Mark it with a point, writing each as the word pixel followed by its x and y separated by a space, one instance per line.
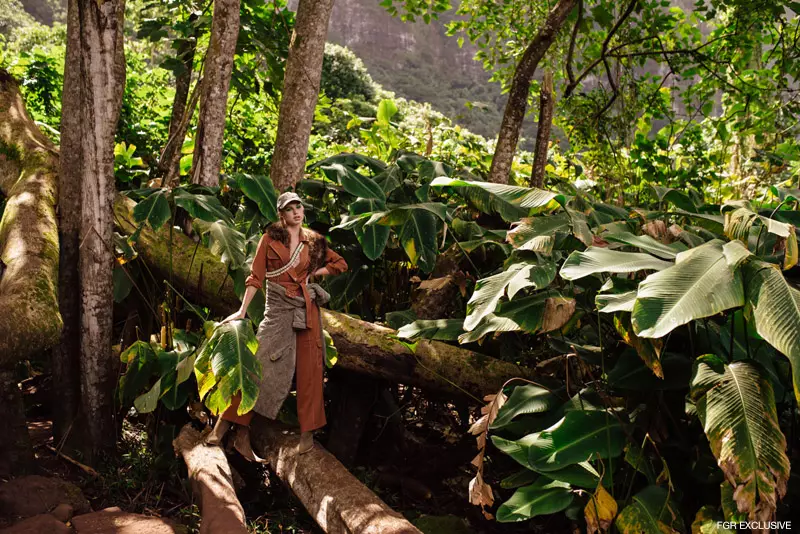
pixel 573 38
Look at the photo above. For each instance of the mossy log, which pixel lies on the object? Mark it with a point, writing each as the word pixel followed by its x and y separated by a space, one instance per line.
pixel 337 501
pixel 212 483
pixel 29 318
pixel 363 347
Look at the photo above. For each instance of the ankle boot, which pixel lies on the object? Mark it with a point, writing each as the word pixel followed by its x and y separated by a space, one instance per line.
pixel 241 442
pixel 216 435
pixel 306 442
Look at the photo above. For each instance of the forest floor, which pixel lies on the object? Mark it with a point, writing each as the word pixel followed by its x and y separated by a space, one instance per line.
pixel 426 478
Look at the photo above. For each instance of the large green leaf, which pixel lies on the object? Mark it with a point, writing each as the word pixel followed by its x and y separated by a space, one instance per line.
pixel 543 497
pixel 538 233
pixel 354 183
pixel 525 399
pixel 205 207
pixel 224 241
pixel 418 238
pixel 229 355
pixel 489 290
pixel 542 312
pixel 348 286
pixel 775 306
pixel 141 364
pixel 401 214
pixel 353 161
pixel 646 243
pixel 579 436
pixel 524 197
pixel 736 406
pixel 652 511
pixel 373 238
pixel 617 294
pixel 440 329
pixel 676 197
pixel 259 189
pixel 602 260
pixel 154 209
pixel 700 284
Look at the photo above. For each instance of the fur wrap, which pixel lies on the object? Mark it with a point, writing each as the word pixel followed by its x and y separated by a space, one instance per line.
pixel 317 244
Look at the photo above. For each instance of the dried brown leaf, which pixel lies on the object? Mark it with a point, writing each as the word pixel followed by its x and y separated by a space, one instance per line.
pixel 557 311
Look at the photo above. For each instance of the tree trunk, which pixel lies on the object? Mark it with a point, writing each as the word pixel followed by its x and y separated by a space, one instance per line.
pixel 337 501
pixel 103 80
pixel 520 86
pixel 169 162
pixel 300 92
pixel 217 70
pixel 363 347
pixel 29 318
pixel 66 355
pixel 546 103
pixel 212 482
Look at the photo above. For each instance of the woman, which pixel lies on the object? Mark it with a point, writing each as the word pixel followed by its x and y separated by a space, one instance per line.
pixel 290 336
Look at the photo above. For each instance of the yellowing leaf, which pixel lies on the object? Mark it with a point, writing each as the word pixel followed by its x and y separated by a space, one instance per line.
pixel 600 511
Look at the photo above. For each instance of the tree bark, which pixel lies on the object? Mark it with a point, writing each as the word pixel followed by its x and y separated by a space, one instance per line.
pixel 300 92
pixel 103 80
pixel 169 162
pixel 212 482
pixel 207 160
pixel 520 86
pixel 65 360
pixel 29 318
pixel 363 347
pixel 546 103
pixel 337 501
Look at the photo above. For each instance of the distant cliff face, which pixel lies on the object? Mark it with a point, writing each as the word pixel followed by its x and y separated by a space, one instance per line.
pixel 418 61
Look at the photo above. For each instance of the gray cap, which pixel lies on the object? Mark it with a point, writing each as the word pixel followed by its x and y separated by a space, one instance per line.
pixel 287 198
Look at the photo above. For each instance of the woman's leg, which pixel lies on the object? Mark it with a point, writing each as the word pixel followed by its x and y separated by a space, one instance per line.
pixel 310 404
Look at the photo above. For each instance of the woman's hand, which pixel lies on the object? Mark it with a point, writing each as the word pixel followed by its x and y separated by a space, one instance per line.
pixel 234 317
pixel 322 271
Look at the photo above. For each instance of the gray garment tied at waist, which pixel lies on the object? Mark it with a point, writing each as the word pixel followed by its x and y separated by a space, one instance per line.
pixel 277 343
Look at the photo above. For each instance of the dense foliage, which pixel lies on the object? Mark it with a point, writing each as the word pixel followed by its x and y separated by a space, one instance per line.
pixel 654 282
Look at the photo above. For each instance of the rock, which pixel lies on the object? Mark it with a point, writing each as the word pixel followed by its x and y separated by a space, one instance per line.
pixel 33 495
pixel 63 512
pixel 115 521
pixel 37 525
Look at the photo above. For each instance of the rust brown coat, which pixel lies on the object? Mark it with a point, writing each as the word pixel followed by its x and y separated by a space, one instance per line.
pixel 273 253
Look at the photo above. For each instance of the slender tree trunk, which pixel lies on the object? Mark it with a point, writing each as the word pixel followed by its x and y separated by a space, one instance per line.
pixel 169 162
pixel 207 159
pixel 300 92
pixel 66 356
pixel 520 86
pixel 103 81
pixel 546 103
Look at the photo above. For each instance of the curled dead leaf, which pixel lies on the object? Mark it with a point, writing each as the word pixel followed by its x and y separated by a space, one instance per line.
pixel 657 230
pixel 557 311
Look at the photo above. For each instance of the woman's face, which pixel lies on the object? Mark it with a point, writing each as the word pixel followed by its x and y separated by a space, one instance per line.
pixel 293 214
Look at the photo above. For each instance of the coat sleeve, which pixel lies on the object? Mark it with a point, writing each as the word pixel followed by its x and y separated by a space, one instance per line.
pixel 334 262
pixel 259 266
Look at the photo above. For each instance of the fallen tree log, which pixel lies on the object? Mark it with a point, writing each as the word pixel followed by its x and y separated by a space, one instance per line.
pixel 335 498
pixel 363 347
pixel 30 321
pixel 29 318
pixel 212 482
